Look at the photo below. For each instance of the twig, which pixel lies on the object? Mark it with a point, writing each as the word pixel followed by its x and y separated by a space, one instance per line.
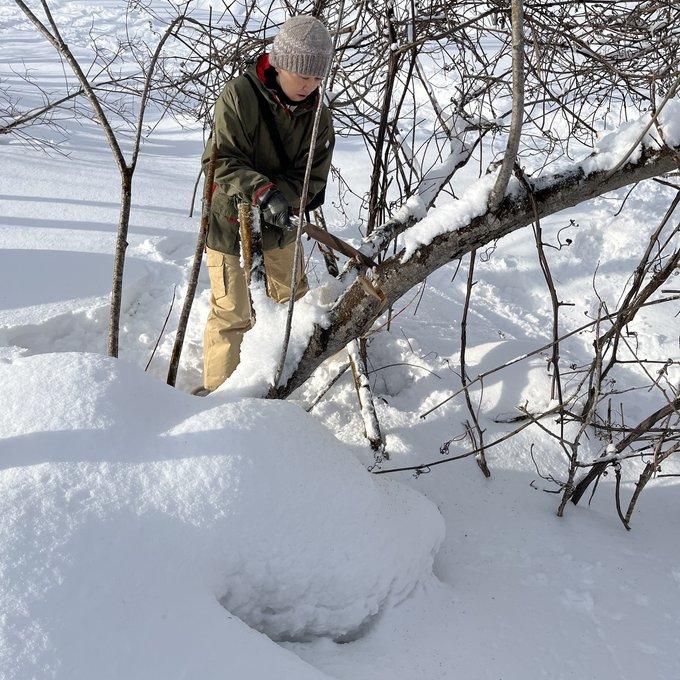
pixel 195 267
pixel 322 392
pixel 474 452
pixel 617 495
pixel 669 95
pixel 481 458
pixel 641 428
pixel 356 350
pixel 301 223
pixel 522 357
pixel 165 323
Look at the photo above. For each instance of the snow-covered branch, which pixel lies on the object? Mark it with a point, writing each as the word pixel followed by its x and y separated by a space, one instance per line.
pixel 456 230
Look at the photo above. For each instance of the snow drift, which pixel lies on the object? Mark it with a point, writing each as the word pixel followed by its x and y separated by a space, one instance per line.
pixel 129 511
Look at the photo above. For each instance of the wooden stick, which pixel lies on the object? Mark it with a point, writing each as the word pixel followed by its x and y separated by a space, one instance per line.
pixel 356 351
pixel 251 252
pixel 195 268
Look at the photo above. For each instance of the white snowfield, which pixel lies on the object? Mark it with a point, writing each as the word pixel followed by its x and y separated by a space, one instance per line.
pixel 137 527
pixel 149 535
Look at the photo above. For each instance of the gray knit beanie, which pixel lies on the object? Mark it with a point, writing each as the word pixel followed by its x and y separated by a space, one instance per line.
pixel 302 46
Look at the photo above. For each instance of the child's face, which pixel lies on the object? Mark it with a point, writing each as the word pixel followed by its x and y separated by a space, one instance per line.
pixel 295 86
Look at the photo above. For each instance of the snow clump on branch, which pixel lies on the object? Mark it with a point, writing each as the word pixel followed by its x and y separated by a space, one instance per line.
pixel 620 145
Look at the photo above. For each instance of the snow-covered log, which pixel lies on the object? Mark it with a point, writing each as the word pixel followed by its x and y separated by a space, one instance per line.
pixel 355 310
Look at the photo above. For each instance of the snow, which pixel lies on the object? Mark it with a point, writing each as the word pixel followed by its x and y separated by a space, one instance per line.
pixel 129 499
pixel 146 534
pixel 614 146
pixel 436 177
pixel 413 207
pixel 609 151
pixel 449 216
pixel 261 346
pixel 364 394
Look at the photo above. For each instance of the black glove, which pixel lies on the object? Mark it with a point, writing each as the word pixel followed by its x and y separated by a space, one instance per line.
pixel 276 211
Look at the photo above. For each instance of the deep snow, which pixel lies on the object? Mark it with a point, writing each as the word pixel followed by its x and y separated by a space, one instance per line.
pixel 129 510
pixel 125 501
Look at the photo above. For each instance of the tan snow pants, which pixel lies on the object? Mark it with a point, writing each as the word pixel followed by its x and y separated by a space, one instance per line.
pixel 229 316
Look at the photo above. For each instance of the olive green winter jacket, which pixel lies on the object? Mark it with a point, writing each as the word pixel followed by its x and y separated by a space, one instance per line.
pixel 247 160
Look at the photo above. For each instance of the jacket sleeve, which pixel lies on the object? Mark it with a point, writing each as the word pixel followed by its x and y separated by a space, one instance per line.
pixel 234 138
pixel 291 184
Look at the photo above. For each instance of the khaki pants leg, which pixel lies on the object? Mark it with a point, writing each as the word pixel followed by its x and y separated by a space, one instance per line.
pixel 278 264
pixel 229 316
pixel 228 320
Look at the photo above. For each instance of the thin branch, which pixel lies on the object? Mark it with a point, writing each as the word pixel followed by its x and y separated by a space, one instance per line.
pixel 510 157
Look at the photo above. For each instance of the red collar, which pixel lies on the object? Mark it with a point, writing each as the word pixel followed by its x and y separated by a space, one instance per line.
pixel 261 65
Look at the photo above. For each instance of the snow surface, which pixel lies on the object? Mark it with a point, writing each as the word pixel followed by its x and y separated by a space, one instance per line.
pixel 261 346
pixel 130 513
pixel 449 217
pixel 614 146
pixel 123 502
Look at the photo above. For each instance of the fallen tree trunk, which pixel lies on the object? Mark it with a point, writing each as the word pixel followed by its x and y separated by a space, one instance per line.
pixel 355 309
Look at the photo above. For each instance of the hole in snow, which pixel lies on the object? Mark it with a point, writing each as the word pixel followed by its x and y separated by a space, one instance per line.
pixel 265 620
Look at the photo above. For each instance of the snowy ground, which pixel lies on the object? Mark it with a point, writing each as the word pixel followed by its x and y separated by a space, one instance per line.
pixel 130 510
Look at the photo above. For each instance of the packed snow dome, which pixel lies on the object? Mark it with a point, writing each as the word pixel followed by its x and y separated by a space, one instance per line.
pixel 130 514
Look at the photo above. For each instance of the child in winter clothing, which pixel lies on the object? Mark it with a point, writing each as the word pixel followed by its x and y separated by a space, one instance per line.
pixel 249 167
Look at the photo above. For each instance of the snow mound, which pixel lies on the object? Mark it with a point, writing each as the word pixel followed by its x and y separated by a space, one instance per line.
pixel 131 510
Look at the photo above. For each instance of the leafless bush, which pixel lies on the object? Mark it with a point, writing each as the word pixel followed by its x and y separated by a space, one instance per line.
pixel 431 87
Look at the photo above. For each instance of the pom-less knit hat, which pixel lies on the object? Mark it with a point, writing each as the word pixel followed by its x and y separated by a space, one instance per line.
pixel 302 46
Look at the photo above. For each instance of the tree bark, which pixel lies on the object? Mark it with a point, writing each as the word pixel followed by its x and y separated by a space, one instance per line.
pixel 195 270
pixel 119 260
pixel 517 106
pixel 642 427
pixel 382 130
pixel 356 351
